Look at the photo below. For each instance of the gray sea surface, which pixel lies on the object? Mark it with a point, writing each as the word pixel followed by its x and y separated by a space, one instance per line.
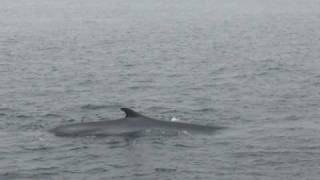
pixel 252 66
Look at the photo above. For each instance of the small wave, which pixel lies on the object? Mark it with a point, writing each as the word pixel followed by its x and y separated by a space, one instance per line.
pixel 49 48
pixel 5 109
pixel 311 148
pixel 50 168
pixel 37 148
pixel 76 148
pixel 292 118
pixel 7 176
pixel 117 166
pixel 93 107
pixel 205 110
pixel 142 87
pixel 183 146
pixel 42 173
pixel 51 115
pixel 32 126
pixel 139 174
pixel 85 82
pixel 97 170
pixel 114 142
pixel 165 169
pixel 22 116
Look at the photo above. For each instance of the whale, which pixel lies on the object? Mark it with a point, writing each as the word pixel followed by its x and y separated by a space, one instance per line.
pixel 132 123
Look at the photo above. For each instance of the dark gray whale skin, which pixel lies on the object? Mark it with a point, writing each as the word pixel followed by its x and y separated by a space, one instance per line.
pixel 134 122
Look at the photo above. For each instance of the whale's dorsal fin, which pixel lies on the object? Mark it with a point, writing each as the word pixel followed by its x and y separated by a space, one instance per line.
pixel 130 112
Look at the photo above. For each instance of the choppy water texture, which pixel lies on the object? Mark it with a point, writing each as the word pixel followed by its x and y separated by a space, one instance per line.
pixel 252 66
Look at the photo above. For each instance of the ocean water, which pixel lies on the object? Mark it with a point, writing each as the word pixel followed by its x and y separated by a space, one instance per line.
pixel 252 66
